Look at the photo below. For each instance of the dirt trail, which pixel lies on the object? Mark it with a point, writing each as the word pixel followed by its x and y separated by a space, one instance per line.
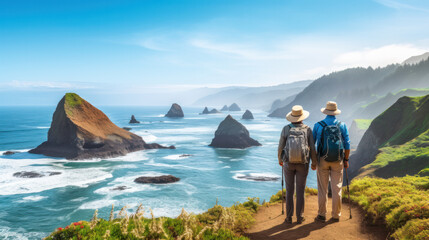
pixel 269 225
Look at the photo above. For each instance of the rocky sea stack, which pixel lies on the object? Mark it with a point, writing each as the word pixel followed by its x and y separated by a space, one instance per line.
pixel 175 111
pixel 158 179
pixel 232 134
pixel 133 120
pixel 247 115
pixel 234 107
pixel 205 111
pixel 225 108
pixel 81 131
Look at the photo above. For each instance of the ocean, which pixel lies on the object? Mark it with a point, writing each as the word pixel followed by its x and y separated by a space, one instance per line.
pixel 32 208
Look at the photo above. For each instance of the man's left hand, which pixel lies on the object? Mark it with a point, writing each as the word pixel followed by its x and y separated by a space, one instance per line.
pixel 346 164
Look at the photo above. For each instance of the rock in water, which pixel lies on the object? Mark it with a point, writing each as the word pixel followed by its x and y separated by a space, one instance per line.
pixel 214 110
pixel 205 111
pixel 133 120
pixel 127 128
pixel 175 111
pixel 28 175
pixel 247 115
pixel 234 107
pixel 81 131
pixel 225 108
pixel 232 134
pixel 9 153
pixel 158 179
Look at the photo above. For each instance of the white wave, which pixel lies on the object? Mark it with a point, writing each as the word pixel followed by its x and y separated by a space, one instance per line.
pixel 34 198
pixel 42 127
pixel 177 166
pixel 147 137
pixel 15 150
pixel 236 159
pixel 185 130
pixel 80 199
pixel 161 207
pixel 11 185
pixel 6 233
pixel 262 127
pixel 129 184
pixel 174 139
pixel 248 176
pixel 176 156
pixel 226 167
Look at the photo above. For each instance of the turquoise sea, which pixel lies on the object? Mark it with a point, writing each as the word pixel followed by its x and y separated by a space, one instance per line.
pixel 32 208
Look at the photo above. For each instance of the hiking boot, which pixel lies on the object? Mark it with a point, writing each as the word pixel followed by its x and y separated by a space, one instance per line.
pixel 300 220
pixel 320 218
pixel 288 220
pixel 334 220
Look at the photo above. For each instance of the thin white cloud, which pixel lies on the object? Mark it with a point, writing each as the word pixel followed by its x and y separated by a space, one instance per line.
pixel 48 85
pixel 377 57
pixel 400 5
pixel 243 50
pixel 151 44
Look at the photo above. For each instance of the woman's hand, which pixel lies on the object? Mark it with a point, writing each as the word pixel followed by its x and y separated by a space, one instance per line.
pixel 281 163
pixel 313 166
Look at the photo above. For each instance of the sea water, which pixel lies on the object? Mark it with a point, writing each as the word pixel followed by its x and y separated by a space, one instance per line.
pixel 32 208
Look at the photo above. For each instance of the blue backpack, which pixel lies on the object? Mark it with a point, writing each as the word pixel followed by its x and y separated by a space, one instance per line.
pixel 331 146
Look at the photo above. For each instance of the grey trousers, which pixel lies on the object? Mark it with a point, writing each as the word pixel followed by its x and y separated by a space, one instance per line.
pixel 295 174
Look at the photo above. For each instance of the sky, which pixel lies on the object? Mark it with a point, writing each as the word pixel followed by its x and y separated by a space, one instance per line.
pixel 122 52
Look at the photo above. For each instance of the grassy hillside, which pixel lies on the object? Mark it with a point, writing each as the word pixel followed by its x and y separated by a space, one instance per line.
pixel 396 142
pixel 349 87
pixel 363 123
pixel 374 109
pixel 356 87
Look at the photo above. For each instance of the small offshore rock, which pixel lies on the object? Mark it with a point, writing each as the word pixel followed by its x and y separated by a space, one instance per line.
pixel 120 188
pixel 247 115
pixel 164 179
pixel 9 153
pixel 25 174
pixel 133 120
pixel 175 111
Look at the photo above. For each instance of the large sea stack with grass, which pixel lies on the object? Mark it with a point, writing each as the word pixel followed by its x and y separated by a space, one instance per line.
pixel 81 131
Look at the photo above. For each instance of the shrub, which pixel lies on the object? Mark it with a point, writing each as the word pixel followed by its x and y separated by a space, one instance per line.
pixel 398 201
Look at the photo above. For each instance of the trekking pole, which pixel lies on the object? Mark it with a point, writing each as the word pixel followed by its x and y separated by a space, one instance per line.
pixel 348 192
pixel 283 198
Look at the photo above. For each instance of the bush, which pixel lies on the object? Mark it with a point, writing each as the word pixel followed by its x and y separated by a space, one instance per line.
pixel 217 223
pixel 398 201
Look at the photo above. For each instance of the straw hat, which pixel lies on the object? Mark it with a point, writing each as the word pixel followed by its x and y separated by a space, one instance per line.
pixel 297 114
pixel 331 109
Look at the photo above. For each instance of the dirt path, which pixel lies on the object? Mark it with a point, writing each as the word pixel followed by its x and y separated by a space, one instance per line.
pixel 269 225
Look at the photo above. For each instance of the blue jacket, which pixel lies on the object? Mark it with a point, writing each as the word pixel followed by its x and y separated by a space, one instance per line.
pixel 331 120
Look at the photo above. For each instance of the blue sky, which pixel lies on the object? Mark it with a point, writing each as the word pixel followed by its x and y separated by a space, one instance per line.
pixel 131 48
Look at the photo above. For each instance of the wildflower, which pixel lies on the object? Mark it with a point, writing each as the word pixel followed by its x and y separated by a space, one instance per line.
pixel 67 227
pixel 81 226
pixel 60 229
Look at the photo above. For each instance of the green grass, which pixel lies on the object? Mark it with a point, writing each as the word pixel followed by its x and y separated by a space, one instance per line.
pixel 217 223
pixel 73 100
pixel 403 203
pixel 398 160
pixel 363 123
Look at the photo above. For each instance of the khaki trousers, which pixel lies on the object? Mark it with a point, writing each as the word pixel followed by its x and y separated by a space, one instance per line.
pixel 334 171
